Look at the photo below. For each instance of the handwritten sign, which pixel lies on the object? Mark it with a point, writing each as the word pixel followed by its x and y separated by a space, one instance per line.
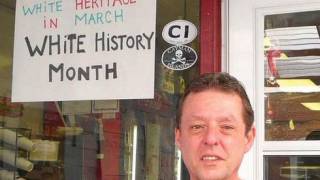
pixel 83 50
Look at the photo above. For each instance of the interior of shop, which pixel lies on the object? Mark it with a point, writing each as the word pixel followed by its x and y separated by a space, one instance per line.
pixel 94 139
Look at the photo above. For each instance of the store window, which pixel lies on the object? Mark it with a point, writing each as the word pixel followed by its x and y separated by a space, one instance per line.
pixel 291 94
pixel 292 167
pixel 95 139
pixel 292 76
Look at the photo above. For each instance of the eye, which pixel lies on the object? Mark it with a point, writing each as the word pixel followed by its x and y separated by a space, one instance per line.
pixel 227 127
pixel 197 128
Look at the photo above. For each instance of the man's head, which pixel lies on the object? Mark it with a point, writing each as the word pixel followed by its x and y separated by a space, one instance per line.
pixel 214 127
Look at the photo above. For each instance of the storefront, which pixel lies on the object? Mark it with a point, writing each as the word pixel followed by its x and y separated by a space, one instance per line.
pixel 77 126
pixel 53 133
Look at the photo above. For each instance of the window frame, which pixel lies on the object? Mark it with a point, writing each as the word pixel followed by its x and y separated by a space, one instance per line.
pixel 266 148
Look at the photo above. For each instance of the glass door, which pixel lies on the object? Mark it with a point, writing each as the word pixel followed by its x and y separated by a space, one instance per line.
pixel 97 139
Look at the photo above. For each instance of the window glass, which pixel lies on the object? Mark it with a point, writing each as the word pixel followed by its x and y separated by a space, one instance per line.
pixel 292 167
pixel 107 140
pixel 292 76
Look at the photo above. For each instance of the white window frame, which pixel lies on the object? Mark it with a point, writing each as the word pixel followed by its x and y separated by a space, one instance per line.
pixel 264 147
pixel 239 57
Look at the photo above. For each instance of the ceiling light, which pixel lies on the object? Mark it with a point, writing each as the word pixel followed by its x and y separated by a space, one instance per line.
pixel 297 85
pixel 313 106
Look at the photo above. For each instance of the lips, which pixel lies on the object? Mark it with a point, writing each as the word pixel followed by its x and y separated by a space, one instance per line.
pixel 210 158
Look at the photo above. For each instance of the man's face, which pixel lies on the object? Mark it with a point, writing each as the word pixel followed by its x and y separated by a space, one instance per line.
pixel 212 135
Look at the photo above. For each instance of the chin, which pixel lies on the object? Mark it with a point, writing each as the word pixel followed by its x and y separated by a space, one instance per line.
pixel 213 175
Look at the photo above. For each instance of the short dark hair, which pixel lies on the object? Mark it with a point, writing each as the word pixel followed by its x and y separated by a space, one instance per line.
pixel 222 82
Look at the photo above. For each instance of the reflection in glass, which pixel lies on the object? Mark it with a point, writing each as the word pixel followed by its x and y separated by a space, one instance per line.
pixel 97 140
pixel 292 76
pixel 292 167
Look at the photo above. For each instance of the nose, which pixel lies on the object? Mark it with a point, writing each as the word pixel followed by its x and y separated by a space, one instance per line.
pixel 211 136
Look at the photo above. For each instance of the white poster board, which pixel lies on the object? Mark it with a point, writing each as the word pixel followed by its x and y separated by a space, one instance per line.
pixel 83 50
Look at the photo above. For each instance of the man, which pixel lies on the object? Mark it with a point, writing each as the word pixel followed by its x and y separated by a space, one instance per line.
pixel 214 127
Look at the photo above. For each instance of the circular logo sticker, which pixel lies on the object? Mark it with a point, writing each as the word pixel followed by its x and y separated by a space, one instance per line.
pixel 179 32
pixel 179 57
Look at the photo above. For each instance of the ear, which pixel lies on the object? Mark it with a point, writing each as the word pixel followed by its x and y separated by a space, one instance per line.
pixel 250 136
pixel 177 137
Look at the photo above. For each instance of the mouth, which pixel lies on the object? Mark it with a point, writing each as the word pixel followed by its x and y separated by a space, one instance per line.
pixel 210 158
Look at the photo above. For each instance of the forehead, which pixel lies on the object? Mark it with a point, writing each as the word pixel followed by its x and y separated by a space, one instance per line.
pixel 212 104
pixel 212 95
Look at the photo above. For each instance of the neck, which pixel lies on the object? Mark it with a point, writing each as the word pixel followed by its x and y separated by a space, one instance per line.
pixel 235 177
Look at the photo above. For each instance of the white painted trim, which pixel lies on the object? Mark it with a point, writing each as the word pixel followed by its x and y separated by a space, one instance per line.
pixel 291 146
pixel 291 153
pixel 240 60
pixel 225 36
